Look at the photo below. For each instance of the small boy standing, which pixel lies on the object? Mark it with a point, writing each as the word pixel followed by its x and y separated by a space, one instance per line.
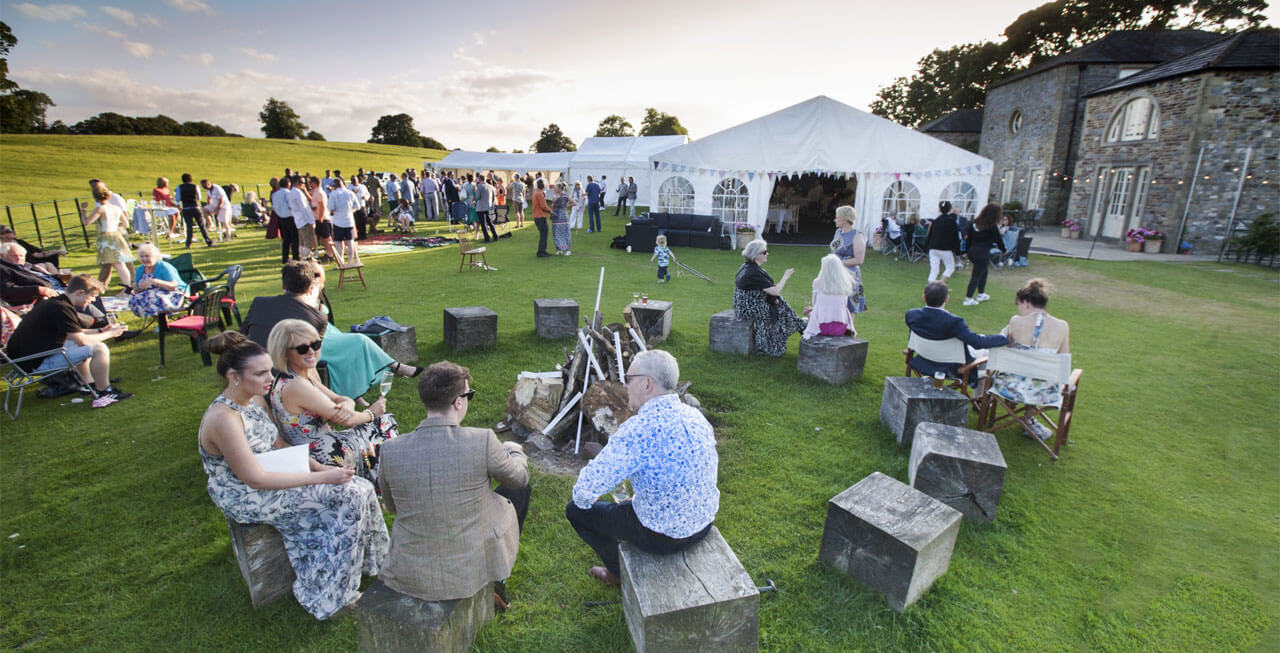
pixel 664 257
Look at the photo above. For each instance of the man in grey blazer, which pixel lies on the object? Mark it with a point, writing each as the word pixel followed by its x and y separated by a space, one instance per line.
pixel 453 533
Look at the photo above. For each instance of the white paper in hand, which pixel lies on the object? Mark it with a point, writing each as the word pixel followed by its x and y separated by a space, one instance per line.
pixel 290 460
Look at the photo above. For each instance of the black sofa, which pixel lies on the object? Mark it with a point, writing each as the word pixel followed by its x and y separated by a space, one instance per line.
pixel 681 230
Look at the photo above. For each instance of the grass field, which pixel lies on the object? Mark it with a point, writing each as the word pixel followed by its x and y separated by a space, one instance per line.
pixel 1157 530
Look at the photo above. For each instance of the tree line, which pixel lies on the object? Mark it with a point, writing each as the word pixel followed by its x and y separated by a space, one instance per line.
pixel 958 77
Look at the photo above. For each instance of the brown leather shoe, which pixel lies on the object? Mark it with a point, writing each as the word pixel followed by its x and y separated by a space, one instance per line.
pixel 605 576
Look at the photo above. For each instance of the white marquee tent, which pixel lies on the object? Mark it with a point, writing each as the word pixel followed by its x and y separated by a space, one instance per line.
pixel 820 136
pixel 618 157
pixel 483 161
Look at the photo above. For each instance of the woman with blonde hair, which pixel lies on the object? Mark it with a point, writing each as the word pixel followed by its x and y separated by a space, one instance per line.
pixel 113 249
pixel 157 286
pixel 851 248
pixel 304 408
pixel 829 313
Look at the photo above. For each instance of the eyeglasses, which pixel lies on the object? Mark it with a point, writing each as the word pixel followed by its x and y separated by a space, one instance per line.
pixel 468 395
pixel 302 349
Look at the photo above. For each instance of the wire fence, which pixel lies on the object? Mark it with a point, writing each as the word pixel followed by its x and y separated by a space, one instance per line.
pixel 57 224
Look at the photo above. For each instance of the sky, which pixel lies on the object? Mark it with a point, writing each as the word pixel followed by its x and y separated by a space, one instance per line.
pixel 475 77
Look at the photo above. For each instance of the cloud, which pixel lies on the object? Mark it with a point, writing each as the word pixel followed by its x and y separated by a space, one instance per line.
pixel 49 13
pixel 191 6
pixel 147 20
pixel 124 15
pixel 478 38
pixel 139 50
pixel 264 57
pixel 99 29
pixel 204 58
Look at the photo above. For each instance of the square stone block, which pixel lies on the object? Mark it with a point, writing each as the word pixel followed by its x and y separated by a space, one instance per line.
pixel 834 359
pixel 555 318
pixel 892 538
pixel 400 345
pixel 390 621
pixel 654 318
pixel 699 599
pixel 960 467
pixel 264 564
pixel 468 327
pixel 909 400
pixel 731 335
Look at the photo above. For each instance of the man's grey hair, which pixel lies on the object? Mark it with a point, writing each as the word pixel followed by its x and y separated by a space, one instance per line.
pixel 657 365
pixel 753 249
pixel 6 247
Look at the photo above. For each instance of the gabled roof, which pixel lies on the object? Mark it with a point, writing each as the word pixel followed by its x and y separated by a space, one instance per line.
pixel 1254 49
pixel 962 120
pixel 1125 46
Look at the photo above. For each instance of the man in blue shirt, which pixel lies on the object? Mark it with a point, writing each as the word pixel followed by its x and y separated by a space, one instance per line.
pixel 594 191
pixel 668 452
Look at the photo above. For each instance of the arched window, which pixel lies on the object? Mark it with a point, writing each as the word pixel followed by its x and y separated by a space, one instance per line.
pixel 1137 120
pixel 675 195
pixel 1015 121
pixel 901 201
pixel 729 200
pixel 963 197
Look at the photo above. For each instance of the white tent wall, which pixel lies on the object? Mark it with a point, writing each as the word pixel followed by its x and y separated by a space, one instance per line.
pixel 617 157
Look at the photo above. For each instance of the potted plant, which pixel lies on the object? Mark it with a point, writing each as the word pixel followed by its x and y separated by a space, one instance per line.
pixel 1141 239
pixel 746 234
pixel 1071 228
pixel 1153 242
pixel 1133 239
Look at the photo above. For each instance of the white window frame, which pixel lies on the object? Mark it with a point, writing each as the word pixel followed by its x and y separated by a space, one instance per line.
pixel 1137 120
pixel 900 201
pixel 1035 183
pixel 729 200
pixel 1006 186
pixel 1099 194
pixel 675 200
pixel 963 197
pixel 1015 121
pixel 1119 194
pixel 1140 187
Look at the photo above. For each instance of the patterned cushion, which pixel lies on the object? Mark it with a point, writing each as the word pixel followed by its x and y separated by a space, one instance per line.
pixel 190 323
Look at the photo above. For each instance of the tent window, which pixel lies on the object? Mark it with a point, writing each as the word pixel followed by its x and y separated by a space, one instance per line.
pixel 901 201
pixel 729 200
pixel 675 195
pixel 963 197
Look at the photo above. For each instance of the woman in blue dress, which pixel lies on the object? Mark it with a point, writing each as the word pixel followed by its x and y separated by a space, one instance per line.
pixel 330 522
pixel 157 287
pixel 851 247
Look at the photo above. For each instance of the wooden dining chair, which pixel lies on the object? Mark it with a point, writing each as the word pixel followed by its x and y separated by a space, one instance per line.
pixel 466 246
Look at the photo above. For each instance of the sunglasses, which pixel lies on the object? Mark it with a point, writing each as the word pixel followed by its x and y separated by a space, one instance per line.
pixel 468 395
pixel 302 349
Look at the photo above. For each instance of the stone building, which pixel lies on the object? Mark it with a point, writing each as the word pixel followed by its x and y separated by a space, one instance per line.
pixel 1216 110
pixel 961 128
pixel 1031 123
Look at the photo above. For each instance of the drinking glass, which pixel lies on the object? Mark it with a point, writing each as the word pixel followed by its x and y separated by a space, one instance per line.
pixel 635 298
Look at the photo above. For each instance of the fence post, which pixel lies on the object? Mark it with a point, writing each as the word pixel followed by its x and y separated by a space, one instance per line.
pixel 83 230
pixel 10 214
pixel 36 219
pixel 61 231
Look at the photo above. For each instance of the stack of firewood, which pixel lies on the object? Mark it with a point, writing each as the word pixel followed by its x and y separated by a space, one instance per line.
pixel 578 406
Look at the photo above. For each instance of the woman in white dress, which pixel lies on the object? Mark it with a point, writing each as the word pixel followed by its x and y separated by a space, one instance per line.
pixel 113 250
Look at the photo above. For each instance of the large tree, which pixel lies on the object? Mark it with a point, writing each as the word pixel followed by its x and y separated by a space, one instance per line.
pixel 396 130
pixel 657 123
pixel 957 78
pixel 553 140
pixel 615 125
pixel 279 120
pixel 21 111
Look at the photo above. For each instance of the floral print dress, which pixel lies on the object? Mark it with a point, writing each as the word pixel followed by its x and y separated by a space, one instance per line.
pixel 1024 389
pixel 331 532
pixel 330 447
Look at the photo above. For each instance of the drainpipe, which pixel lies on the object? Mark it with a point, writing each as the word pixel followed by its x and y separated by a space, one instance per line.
pixel 1186 210
pixel 1231 222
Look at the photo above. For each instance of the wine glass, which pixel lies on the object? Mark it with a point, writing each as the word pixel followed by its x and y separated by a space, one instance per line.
pixel 384 384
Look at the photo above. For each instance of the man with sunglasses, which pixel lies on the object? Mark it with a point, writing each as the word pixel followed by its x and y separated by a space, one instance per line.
pixel 454 534
pixel 668 452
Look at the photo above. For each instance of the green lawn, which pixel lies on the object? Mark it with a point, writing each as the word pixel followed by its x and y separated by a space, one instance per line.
pixel 1156 530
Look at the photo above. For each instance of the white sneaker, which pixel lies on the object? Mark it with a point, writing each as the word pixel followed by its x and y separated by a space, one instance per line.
pixel 568 253
pixel 969 301
pixel 982 297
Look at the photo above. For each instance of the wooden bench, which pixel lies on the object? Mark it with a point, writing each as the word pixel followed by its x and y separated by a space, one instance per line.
pixel 391 621
pixel 264 563
pixel 698 599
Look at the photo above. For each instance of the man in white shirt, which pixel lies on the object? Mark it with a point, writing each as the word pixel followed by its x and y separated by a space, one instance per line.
pixel 430 196
pixel 361 213
pixel 342 205
pixel 300 206
pixel 218 208
pixel 288 228
pixel 392 187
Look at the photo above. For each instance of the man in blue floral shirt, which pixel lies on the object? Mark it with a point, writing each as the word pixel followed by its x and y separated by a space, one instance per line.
pixel 668 452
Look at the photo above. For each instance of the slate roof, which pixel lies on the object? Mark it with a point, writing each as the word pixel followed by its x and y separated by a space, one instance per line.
pixel 962 120
pixel 1254 49
pixel 1126 46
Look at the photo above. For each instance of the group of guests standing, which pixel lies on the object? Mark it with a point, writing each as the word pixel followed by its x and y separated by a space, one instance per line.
pixel 979 240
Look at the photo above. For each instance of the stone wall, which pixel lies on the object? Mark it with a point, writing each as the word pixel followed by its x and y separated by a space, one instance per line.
pixel 1225 112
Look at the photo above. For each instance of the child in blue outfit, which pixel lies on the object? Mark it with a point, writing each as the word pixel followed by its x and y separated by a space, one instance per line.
pixel 664 257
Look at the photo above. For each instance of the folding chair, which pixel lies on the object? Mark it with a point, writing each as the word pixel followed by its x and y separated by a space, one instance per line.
pixel 466 246
pixel 17 378
pixel 186 269
pixel 1000 410
pixel 946 352
pixel 917 244
pixel 1010 240
pixel 205 314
